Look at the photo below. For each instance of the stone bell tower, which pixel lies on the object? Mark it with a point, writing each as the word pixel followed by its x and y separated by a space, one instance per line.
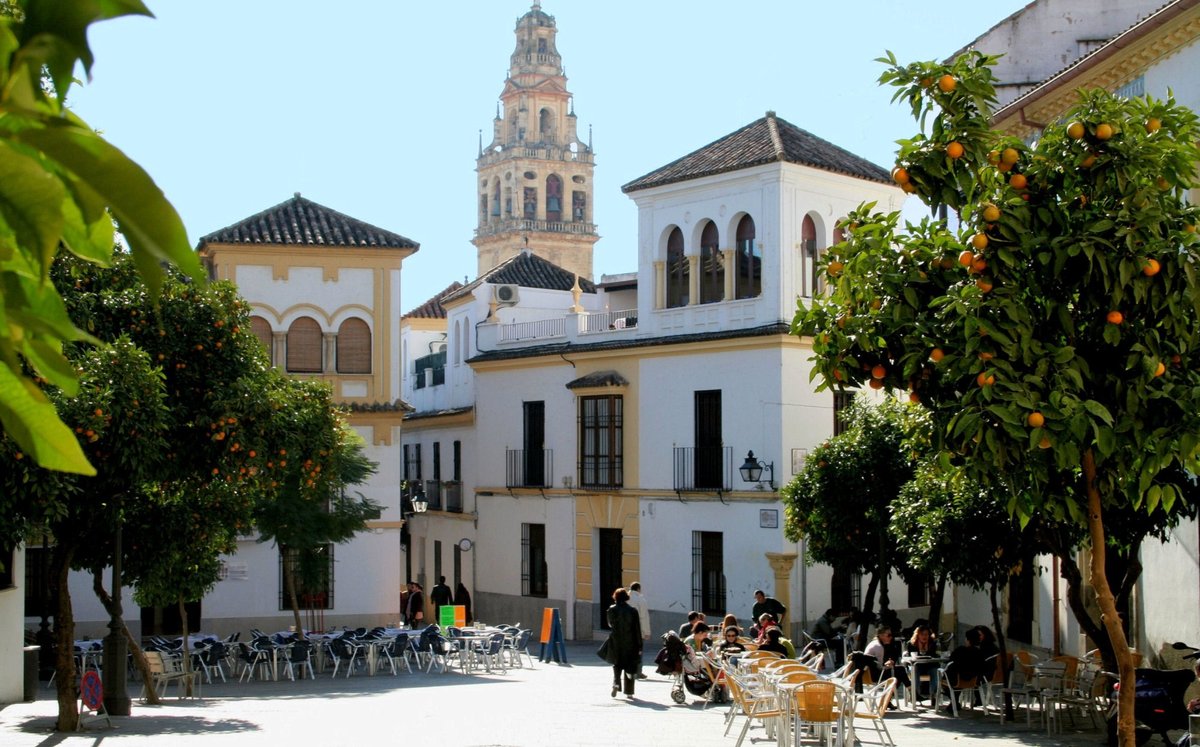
pixel 535 177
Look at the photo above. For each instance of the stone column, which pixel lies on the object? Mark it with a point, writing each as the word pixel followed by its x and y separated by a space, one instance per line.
pixel 660 284
pixel 781 564
pixel 730 272
pixel 693 280
pixel 278 351
pixel 329 364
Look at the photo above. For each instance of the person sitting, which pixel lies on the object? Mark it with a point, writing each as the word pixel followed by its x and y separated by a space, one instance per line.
pixel 829 632
pixel 988 650
pixel 923 644
pixel 686 629
pixel 698 640
pixel 758 631
pixel 730 619
pixel 729 641
pixel 966 662
pixel 774 641
pixel 883 655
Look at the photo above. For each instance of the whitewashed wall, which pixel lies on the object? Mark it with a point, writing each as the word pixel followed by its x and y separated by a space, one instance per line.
pixel 12 634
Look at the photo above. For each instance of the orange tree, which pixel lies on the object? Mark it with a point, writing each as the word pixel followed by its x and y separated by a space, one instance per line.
pixel 1054 335
pixel 841 502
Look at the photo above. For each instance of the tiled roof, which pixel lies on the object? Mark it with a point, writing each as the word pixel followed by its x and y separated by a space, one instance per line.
pixel 528 271
pixel 437 413
pixel 777 328
pixel 303 222
pixel 599 378
pixel 433 309
pixel 395 406
pixel 762 141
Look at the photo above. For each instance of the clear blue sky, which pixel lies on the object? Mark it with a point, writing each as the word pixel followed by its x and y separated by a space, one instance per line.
pixel 373 107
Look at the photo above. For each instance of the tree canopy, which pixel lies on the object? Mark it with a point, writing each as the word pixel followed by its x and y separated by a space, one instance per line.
pixel 1054 336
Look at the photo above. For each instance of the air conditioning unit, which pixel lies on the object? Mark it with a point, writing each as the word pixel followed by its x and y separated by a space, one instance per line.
pixel 439 347
pixel 506 295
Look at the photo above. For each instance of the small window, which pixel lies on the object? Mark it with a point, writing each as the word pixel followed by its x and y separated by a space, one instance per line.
pixel 311 573
pixel 601 441
pixel 841 403
pixel 304 346
pixel 708 573
pixel 262 330
pixel 534 569
pixel 354 347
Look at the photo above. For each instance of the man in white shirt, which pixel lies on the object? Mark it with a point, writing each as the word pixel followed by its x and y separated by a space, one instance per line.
pixel 637 600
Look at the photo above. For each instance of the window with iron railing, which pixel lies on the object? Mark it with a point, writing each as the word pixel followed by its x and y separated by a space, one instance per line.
pixel 436 364
pixel 433 494
pixel 701 468
pixel 529 468
pixel 311 572
pixel 452 496
pixel 601 438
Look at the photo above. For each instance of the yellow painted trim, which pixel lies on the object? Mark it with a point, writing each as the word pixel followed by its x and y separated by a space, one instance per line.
pixel 385 524
pixel 423 324
pixel 435 422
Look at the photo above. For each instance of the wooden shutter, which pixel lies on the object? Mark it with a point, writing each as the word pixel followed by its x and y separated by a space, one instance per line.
pixel 354 347
pixel 262 330
pixel 304 346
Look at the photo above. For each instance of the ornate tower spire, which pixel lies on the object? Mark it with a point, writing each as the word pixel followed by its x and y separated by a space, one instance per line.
pixel 535 177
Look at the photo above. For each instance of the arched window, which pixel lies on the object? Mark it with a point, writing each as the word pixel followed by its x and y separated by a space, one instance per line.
pixel 553 198
pixel 677 270
pixel 545 123
pixel 578 206
pixel 262 330
pixel 354 347
pixel 483 212
pixel 748 283
pixel 466 338
pixel 304 346
pixel 530 203
pixel 812 257
pixel 454 342
pixel 496 199
pixel 712 265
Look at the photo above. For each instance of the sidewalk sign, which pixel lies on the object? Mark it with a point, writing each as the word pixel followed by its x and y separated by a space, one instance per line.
pixel 452 616
pixel 554 648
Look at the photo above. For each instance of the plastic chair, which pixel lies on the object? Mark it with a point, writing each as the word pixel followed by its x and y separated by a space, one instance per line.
pixel 300 656
pixel 754 705
pixel 873 706
pixel 819 704
pixel 957 690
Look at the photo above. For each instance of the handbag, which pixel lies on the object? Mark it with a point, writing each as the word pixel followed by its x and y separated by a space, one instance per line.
pixel 602 652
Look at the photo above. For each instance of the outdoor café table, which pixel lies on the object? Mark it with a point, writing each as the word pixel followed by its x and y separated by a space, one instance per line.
pixel 920 664
pixel 375 644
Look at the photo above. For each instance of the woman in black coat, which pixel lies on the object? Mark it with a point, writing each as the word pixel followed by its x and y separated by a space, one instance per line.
pixel 623 649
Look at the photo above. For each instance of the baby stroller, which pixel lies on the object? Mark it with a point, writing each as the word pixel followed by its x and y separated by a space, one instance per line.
pixel 676 659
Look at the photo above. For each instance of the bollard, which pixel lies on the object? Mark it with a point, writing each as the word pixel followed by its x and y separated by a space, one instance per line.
pixel 31 673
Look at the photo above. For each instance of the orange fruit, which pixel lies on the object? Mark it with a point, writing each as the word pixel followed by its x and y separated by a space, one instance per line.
pixel 993 157
pixel 979 241
pixel 1075 130
pixel 914 397
pixel 876 383
pixel 936 354
pixel 991 213
pixel 900 175
pixel 1153 124
pixel 1151 267
pixel 947 83
pixel 986 356
pixel 1115 317
pixel 835 268
pixel 954 149
pixel 1010 156
pixel 1088 161
pixel 1044 443
pixel 984 285
pixel 966 257
pixel 1035 419
pixel 1163 184
pixel 1189 228
pixel 927 81
pixel 879 371
pixel 1160 369
pixel 1018 181
pixel 908 187
pixel 978 264
pixel 1104 131
pixel 985 379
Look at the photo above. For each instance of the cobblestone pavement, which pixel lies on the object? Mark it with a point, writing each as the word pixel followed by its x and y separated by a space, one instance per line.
pixel 548 704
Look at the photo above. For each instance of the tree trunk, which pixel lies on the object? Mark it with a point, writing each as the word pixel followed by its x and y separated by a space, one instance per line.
pixel 1094 630
pixel 868 611
pixel 187 652
pixel 1001 643
pixel 135 649
pixel 1108 605
pixel 935 604
pixel 289 580
pixel 64 629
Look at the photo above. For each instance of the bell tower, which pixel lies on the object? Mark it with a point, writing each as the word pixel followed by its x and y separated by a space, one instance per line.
pixel 535 177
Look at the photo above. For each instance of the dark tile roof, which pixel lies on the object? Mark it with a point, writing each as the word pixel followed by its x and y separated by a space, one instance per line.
pixel 599 378
pixel 437 413
pixel 762 141
pixel 528 271
pixel 396 406
pixel 777 328
pixel 433 309
pixel 303 222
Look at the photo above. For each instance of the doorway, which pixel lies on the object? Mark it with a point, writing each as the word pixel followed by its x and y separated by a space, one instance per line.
pixel 609 564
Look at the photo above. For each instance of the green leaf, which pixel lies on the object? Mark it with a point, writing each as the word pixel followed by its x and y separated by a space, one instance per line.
pixel 1098 410
pixel 145 217
pixel 31 421
pixel 31 201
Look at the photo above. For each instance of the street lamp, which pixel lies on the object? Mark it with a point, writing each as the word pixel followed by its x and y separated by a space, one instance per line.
pixel 752 470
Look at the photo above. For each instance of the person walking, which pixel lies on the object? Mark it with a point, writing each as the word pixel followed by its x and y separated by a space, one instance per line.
pixel 440 595
pixel 462 598
pixel 415 611
pixel 623 647
pixel 637 600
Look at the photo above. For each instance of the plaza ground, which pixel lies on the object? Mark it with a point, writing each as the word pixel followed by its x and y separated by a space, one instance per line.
pixel 549 704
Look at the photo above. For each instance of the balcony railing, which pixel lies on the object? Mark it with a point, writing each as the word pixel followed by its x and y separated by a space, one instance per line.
pixel 529 468
pixel 527 224
pixel 540 330
pixel 609 320
pixel 452 496
pixel 433 494
pixel 703 468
